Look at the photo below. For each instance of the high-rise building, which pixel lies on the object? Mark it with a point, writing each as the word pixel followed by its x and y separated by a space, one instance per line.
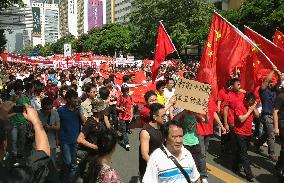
pixel 45 23
pixel 117 11
pixel 80 16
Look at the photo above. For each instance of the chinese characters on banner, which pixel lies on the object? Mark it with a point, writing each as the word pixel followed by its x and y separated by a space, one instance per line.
pixel 192 95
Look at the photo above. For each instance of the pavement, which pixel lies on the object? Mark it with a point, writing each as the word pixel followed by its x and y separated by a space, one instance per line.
pixel 218 164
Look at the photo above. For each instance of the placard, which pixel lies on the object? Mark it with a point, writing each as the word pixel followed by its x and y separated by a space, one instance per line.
pixel 192 95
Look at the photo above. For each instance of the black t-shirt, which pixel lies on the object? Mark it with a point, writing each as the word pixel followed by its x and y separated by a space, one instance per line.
pixel 279 105
pixel 90 130
pixel 34 171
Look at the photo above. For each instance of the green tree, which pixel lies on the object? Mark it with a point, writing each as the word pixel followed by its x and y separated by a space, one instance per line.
pixel 187 22
pixel 109 39
pixel 58 46
pixel 261 15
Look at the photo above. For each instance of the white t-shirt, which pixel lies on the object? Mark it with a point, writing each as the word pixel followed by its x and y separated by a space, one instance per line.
pixel 161 169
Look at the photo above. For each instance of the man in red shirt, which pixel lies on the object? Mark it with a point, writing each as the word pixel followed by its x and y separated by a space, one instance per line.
pixel 150 98
pixel 244 111
pixel 233 97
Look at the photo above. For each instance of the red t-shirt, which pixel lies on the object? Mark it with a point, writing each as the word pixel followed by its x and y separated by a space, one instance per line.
pixel 206 128
pixel 222 96
pixel 244 128
pixel 126 104
pixel 145 116
pixel 232 100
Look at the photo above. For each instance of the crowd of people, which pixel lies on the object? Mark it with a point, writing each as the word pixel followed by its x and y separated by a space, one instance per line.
pixel 85 113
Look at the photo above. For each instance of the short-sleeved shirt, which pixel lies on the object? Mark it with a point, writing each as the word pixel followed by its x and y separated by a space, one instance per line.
pixel 161 98
pixel 244 128
pixel 188 123
pixel 19 119
pixel 267 97
pixel 87 108
pixel 222 95
pixel 125 103
pixel 145 116
pixel 91 130
pixel 53 120
pixel 161 169
pixel 231 101
pixel 70 124
pixel 279 105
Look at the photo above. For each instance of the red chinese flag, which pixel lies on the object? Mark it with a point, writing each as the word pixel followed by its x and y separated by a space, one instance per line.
pixel 273 52
pixel 279 39
pixel 226 48
pixel 4 56
pixel 139 77
pixel 164 47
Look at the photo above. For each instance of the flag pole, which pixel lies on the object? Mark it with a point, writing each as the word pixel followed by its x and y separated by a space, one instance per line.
pixel 161 22
pixel 246 38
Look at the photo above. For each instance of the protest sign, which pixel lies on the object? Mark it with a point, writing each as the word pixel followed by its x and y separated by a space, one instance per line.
pixel 192 95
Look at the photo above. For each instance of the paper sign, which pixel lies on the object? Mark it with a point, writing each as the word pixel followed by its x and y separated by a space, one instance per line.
pixel 67 50
pixel 192 95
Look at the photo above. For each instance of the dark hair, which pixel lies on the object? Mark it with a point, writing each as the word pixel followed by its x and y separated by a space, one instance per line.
pixel 111 77
pixel 104 93
pixel 46 101
pixel 234 80
pixel 250 97
pixel 166 127
pixel 160 84
pixel 88 87
pixel 18 86
pixel 60 92
pixel 228 83
pixel 125 78
pixel 106 81
pixel 106 141
pixel 28 86
pixel 38 87
pixel 74 87
pixel 148 74
pixel 170 79
pixel 154 108
pixel 149 94
pixel 70 94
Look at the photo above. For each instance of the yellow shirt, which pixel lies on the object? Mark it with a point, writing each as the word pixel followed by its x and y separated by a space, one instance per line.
pixel 161 98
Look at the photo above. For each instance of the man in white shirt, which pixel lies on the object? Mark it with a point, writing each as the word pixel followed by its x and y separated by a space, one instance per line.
pixel 161 169
pixel 169 92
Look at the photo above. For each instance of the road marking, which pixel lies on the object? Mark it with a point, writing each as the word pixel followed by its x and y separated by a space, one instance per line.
pixel 220 174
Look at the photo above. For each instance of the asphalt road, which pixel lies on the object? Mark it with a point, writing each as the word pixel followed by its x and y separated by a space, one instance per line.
pixel 126 163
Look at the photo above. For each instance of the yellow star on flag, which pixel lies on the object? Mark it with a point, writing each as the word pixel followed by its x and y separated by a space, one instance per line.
pixel 218 35
pixel 209 45
pixel 254 49
pixel 279 37
pixel 210 54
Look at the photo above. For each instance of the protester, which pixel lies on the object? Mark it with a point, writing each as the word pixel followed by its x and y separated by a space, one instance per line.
pixel 19 125
pixel 244 112
pixel 86 106
pixel 50 121
pixel 102 170
pixel 160 86
pixel 150 98
pixel 151 136
pixel 71 117
pixel 125 107
pixel 267 93
pixel 160 166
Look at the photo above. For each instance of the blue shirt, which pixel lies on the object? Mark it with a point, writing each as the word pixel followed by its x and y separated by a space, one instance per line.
pixel 70 125
pixel 267 97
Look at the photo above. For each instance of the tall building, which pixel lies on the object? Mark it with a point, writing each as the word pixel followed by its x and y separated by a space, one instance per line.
pixel 117 11
pixel 80 16
pixel 45 23
pixel 17 23
pixel 227 4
